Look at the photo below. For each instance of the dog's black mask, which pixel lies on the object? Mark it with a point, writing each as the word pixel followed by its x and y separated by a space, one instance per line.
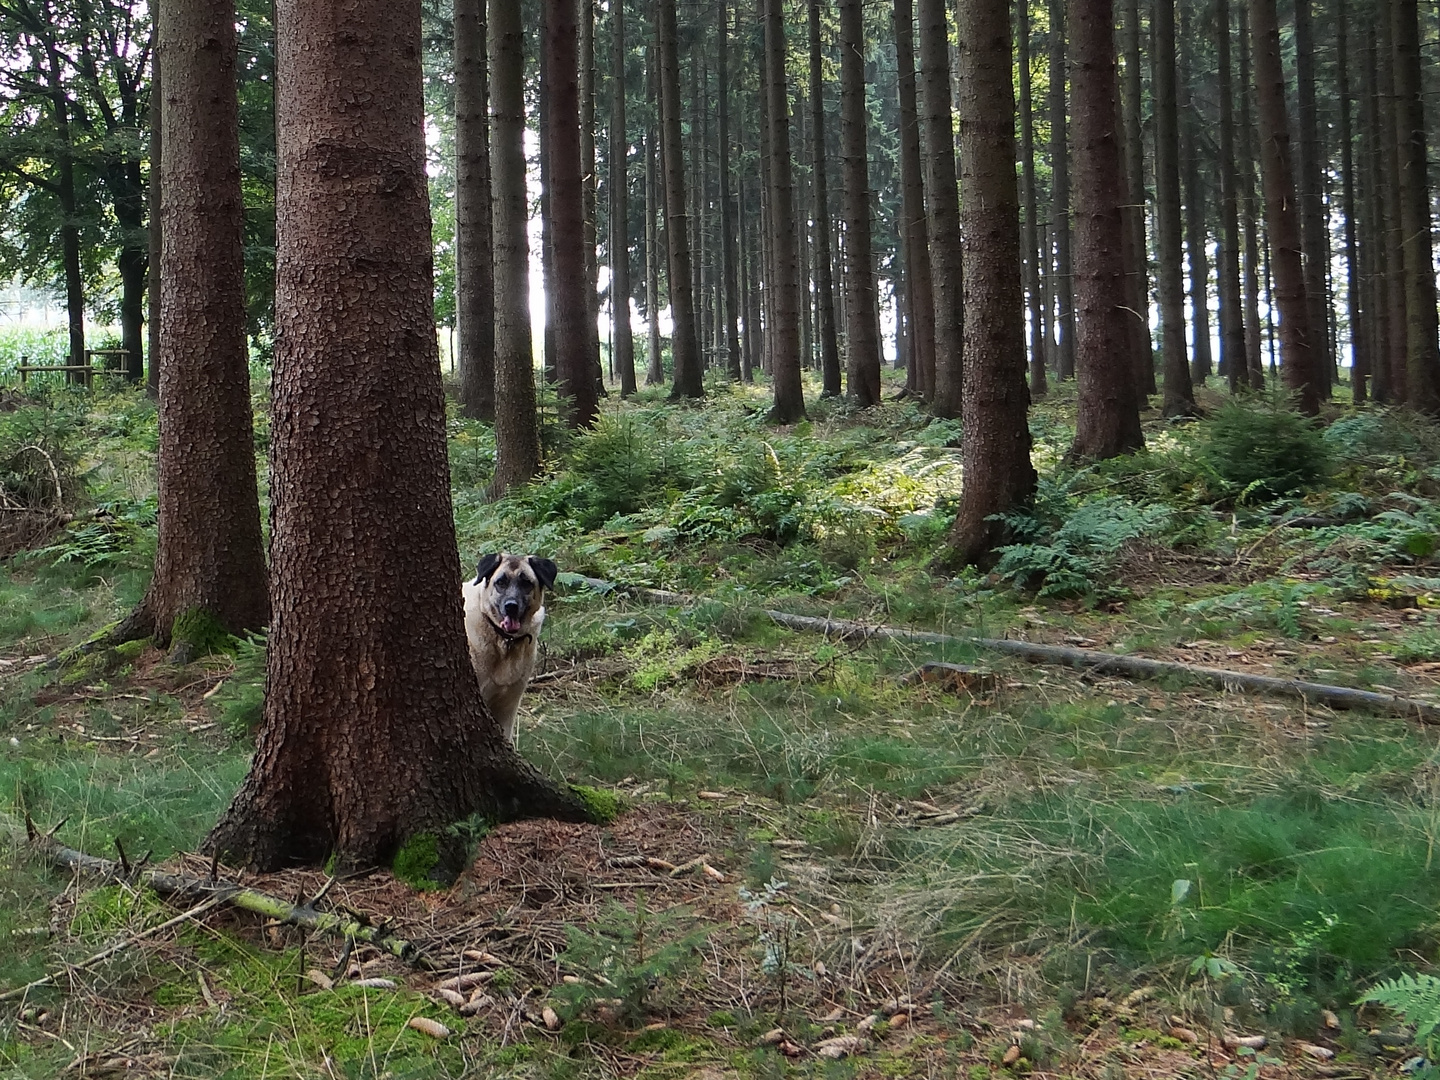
pixel 515 592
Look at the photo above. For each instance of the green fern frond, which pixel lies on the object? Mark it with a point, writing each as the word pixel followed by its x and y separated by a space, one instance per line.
pixel 1415 998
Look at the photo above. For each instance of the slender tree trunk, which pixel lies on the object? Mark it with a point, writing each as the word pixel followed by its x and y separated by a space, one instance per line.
pixel 1312 198
pixel 728 251
pixel 474 235
pixel 133 265
pixel 1030 249
pixel 1249 213
pixel 749 290
pixel 571 304
pixel 996 454
pixel 1060 198
pixel 1374 249
pixel 1139 269
pixel 1397 332
pixel 209 561
pixel 374 729
pixel 1298 358
pixel 1196 233
pixel 684 344
pixel 623 349
pixel 789 401
pixel 862 336
pixel 1232 316
pixel 517 433
pixel 1356 315
pixel 70 248
pixel 915 234
pixel 824 275
pixel 1108 413
pixel 155 227
pixel 942 207
pixel 547 192
pixel 589 179
pixel 1422 367
pixel 1179 395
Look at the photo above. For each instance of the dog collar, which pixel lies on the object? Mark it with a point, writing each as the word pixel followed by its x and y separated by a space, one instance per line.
pixel 511 640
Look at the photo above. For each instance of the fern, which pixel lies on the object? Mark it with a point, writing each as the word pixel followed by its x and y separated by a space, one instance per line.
pixel 1415 998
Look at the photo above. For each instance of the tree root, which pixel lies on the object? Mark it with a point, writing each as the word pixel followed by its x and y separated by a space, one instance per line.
pixel 1336 697
pixel 192 889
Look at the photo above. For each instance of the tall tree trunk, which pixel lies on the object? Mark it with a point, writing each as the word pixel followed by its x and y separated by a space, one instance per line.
pixel 70 247
pixel 824 263
pixel 1356 315
pixel 588 182
pixel 1422 367
pixel 684 344
pixel 573 364
pixel 749 289
pixel 1249 213
pixel 1374 250
pixel 474 236
pixel 942 207
pixel 155 228
pixel 915 233
pixel 1232 316
pixel 623 350
pixel 209 562
pixel 1060 198
pixel 1139 258
pixel 517 433
pixel 1107 413
pixel 1030 250
pixel 1312 199
pixel 1179 394
pixel 1196 232
pixel 374 729
pixel 133 265
pixel 789 400
pixel 996 454
pixel 1397 332
pixel 1298 358
pixel 728 253
pixel 654 246
pixel 547 192
pixel 862 334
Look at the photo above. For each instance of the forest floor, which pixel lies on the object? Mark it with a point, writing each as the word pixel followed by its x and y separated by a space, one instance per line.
pixel 1045 871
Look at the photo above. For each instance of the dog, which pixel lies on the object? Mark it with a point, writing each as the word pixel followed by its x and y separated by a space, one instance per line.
pixel 504 610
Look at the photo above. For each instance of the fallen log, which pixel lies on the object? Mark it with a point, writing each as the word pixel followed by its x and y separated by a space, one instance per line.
pixel 182 887
pixel 1336 697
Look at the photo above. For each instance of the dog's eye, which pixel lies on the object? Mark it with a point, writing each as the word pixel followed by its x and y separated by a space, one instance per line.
pixel 501 581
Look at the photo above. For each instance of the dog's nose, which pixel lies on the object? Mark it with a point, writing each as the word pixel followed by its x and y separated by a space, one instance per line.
pixel 512 608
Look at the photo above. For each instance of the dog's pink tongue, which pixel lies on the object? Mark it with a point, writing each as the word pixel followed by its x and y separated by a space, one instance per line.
pixel 510 625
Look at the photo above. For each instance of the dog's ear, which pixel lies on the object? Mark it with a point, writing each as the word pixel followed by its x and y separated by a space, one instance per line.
pixel 486 567
pixel 545 571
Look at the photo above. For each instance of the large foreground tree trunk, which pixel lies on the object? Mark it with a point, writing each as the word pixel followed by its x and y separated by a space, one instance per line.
pixel 1297 355
pixel 517 434
pixel 209 563
pixel 862 332
pixel 824 263
pixel 789 398
pixel 998 475
pixel 374 727
pixel 474 236
pixel 689 380
pixel 1108 413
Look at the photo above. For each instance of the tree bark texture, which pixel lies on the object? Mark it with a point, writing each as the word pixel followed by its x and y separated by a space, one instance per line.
pixel 942 207
pixel 1350 205
pixel 996 454
pixel 789 399
pixel 1108 412
pixel 1297 355
pixel 155 222
pixel 571 303
pixel 1312 198
pixel 1397 331
pixel 1249 212
pixel 588 184
pixel 517 433
pixel 1060 197
pixel 728 252
pixel 915 232
pixel 1139 261
pixel 1179 395
pixel 474 235
pixel 1373 249
pixel 209 562
pixel 1232 316
pixel 862 332
pixel 684 343
pixel 623 349
pixel 1030 247
pixel 1422 354
pixel 374 729
pixel 1196 230
pixel 824 262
